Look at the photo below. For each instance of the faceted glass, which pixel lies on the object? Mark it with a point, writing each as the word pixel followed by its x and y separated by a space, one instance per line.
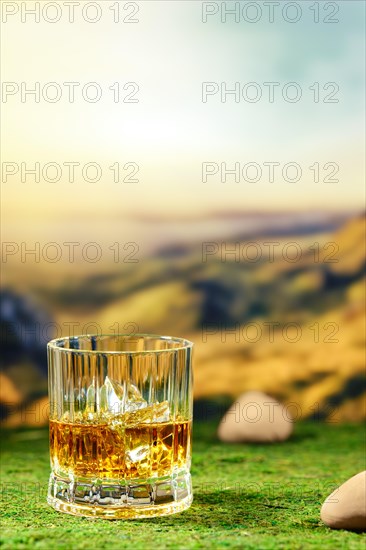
pixel 120 425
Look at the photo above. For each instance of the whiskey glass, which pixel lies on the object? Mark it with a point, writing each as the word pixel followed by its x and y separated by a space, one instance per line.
pixel 120 425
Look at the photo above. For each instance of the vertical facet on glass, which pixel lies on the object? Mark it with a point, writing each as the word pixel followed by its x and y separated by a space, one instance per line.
pixel 120 425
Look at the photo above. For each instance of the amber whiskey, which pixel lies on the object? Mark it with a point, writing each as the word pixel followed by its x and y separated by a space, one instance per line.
pixel 115 451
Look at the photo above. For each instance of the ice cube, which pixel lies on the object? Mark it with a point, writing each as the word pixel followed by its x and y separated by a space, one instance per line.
pixel 134 400
pixel 155 413
pixel 117 398
pixel 115 388
pixel 112 396
pixel 138 454
pixel 161 412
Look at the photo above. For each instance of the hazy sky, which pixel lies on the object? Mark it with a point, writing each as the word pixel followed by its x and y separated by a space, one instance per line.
pixel 170 131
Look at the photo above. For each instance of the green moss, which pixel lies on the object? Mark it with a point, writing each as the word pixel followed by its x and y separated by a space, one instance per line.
pixel 246 496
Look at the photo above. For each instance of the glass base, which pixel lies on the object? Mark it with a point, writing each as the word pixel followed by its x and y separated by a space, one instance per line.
pixel 110 499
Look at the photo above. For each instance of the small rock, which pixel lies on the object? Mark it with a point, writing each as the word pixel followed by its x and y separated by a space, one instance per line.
pixel 255 417
pixel 345 508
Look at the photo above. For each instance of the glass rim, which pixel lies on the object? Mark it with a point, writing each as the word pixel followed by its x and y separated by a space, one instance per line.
pixel 185 344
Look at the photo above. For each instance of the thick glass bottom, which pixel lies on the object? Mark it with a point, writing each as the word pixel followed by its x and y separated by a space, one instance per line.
pixel 110 499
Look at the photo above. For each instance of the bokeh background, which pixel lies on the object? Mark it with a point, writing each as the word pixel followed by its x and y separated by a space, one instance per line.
pixel 266 276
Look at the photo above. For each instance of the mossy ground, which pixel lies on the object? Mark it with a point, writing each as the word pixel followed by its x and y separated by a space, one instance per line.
pixel 246 496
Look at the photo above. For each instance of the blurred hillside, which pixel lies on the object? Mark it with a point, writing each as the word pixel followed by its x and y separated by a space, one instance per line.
pixel 283 313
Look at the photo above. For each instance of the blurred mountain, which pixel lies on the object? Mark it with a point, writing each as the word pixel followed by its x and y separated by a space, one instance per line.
pixel 351 242
pixel 283 313
pixel 23 358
